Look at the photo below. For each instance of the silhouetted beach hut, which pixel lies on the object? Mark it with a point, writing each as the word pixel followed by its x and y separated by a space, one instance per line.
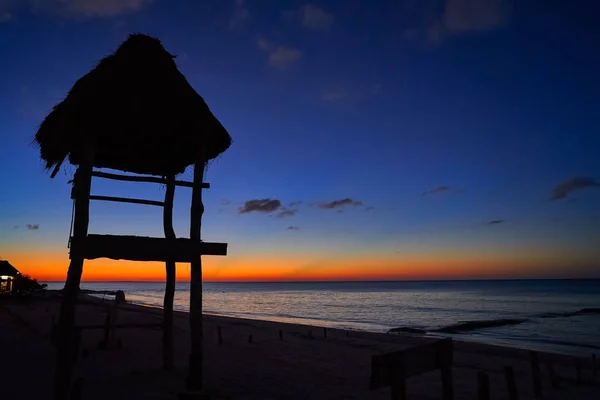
pixel 8 275
pixel 134 112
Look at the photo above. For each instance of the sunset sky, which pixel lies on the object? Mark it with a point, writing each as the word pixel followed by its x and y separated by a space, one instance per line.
pixel 404 139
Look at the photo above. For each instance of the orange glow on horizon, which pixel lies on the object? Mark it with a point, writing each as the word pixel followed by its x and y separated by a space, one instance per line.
pixel 52 265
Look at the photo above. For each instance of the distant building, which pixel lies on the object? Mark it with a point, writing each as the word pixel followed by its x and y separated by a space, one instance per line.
pixel 8 274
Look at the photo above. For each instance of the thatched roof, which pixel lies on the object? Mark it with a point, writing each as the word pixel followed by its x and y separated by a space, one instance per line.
pixel 7 269
pixel 138 112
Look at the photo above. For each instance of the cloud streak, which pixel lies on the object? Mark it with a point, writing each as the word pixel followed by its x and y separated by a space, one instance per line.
pixel 292 228
pixel 340 203
pixel 496 222
pixel 280 56
pixel 260 205
pixel 72 8
pixel 32 227
pixel 565 188
pixel 315 18
pixel 286 213
pixel 240 16
pixel 436 190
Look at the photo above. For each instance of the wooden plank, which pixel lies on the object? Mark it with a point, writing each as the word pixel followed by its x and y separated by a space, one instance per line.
pixel 151 179
pixel 509 375
pixel 128 200
pixel 140 248
pixel 410 362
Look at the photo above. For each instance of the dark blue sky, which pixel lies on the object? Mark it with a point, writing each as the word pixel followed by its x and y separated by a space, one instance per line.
pixel 434 117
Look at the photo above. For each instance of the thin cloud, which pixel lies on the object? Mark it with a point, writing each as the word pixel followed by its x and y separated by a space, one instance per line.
pixel 292 228
pixel 16 227
pixel 369 208
pixel 456 17
pixel 564 189
pixel 316 18
pixel 260 205
pixel 340 203
pixel 33 227
pixel 224 202
pixel 240 16
pixel 286 213
pixel 295 203
pixel 496 222
pixel 436 190
pixel 335 93
pixel 85 8
pixel 280 56
pixel 476 15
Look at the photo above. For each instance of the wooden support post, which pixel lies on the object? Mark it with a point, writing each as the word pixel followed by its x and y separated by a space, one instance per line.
pixel 107 328
pixel 578 369
pixel 509 375
pixel 446 360
pixel 77 389
pixel 280 335
pixel 168 352
pixel 250 339
pixel 554 380
pixel 535 374
pixel 195 379
pixel 64 362
pixel 593 367
pixel 483 386
pixel 325 333
pixel 220 335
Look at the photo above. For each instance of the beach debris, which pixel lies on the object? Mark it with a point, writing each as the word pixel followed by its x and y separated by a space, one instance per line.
pixel 120 297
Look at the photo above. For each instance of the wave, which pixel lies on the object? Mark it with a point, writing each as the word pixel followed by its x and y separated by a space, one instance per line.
pixel 468 326
pixel 583 311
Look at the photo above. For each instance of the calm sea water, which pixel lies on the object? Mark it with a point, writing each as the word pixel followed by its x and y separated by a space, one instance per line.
pixel 547 310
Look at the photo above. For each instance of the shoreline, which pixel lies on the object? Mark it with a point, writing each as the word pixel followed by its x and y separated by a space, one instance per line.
pixel 254 359
pixel 472 334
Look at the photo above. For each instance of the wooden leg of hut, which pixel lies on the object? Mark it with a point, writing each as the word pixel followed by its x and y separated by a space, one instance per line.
pixel 168 355
pixel 66 320
pixel 195 372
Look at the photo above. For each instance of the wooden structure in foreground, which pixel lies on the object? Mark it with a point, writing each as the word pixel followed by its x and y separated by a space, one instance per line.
pixel 393 369
pixel 170 250
pixel 134 112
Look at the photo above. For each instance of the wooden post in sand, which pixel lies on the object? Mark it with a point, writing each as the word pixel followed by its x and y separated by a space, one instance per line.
pixel 64 361
pixel 195 372
pixel 535 374
pixel 509 375
pixel 168 353
pixel 483 386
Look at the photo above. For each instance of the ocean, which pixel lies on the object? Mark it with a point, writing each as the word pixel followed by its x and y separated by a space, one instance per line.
pixel 550 315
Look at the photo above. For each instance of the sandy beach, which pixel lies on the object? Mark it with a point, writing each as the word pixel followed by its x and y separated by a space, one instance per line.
pixel 304 365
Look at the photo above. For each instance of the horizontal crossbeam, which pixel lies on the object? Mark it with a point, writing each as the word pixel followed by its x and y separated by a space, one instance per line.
pixel 152 179
pixel 128 200
pixel 141 248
